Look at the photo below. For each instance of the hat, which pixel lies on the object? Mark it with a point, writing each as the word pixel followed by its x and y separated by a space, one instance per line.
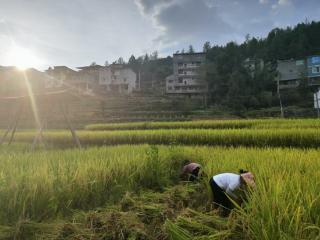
pixel 248 178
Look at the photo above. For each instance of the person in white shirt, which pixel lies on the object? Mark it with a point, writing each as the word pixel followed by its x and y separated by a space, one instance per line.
pixel 230 185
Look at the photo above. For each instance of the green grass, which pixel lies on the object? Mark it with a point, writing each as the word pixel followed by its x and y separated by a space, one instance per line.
pixel 44 186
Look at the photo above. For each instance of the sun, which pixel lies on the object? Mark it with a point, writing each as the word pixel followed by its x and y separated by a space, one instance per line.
pixel 23 58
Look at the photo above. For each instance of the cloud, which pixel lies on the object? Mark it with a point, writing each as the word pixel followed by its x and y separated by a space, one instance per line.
pixel 151 6
pixel 284 2
pixel 263 1
pixel 184 22
pixel 81 31
pixel 75 33
pixel 6 28
pixel 281 3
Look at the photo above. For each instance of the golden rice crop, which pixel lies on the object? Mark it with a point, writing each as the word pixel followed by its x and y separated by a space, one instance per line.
pixel 210 124
pixel 44 185
pixel 302 138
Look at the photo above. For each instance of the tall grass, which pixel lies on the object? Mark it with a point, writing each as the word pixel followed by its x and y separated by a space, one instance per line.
pixel 47 184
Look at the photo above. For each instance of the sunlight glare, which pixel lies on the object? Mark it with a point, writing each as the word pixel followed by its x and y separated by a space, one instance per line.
pixel 23 58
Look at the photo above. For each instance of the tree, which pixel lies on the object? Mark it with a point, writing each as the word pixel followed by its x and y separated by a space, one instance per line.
pixel 154 55
pixel 132 60
pixel 135 64
pixel 120 61
pixel 191 50
pixel 206 47
pixel 93 64
pixel 247 37
pixel 146 58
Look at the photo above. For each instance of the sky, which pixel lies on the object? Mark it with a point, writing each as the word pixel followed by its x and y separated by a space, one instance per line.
pixel 75 33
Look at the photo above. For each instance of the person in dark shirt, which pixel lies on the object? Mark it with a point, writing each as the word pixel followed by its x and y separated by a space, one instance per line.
pixel 190 171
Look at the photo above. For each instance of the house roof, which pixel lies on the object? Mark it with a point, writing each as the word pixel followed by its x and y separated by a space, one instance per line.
pixel 117 65
pixel 59 69
pixel 94 67
pixel 63 68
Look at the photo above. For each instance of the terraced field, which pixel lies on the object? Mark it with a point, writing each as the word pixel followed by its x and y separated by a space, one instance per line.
pixel 134 192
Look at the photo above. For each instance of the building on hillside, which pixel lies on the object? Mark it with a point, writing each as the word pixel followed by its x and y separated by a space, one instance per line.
pixel 253 65
pixel 170 83
pixel 186 78
pixel 117 78
pixel 86 80
pixel 92 79
pixel 313 70
pixel 14 82
pixel 58 76
pixel 290 73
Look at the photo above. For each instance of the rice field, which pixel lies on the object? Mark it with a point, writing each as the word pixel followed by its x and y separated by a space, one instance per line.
pixel 298 137
pixel 210 124
pixel 131 190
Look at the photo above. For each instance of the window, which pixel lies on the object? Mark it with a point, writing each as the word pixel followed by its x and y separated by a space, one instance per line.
pixel 185 82
pixel 315 60
pixel 316 69
pixel 180 71
pixel 299 62
pixel 169 88
pixel 180 80
pixel 170 81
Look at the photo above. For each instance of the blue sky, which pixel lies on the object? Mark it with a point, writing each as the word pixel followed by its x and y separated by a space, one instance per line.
pixel 78 32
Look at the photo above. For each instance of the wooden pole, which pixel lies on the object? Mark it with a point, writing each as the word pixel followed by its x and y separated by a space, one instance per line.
pixel 38 139
pixel 139 80
pixel 279 96
pixel 35 141
pixel 17 118
pixel 5 135
pixel 74 135
pixel 10 127
pixel 43 125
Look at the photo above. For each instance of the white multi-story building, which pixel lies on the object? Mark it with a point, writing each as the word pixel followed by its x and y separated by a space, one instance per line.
pixel 186 78
pixel 118 78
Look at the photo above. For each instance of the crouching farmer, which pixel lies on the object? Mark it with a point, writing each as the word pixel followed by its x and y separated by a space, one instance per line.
pixel 190 171
pixel 226 186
